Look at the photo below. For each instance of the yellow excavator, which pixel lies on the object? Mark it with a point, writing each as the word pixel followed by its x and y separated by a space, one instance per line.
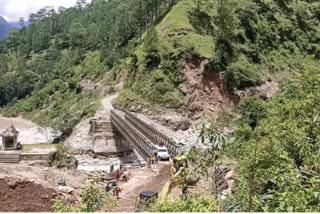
pixel 178 175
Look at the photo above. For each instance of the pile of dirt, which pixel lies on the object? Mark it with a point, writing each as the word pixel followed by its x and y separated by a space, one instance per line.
pixel 25 196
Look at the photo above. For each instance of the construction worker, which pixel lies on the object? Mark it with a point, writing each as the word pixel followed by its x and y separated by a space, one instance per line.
pixel 108 188
pixel 117 174
pixel 153 160
pixel 117 191
pixel 148 162
pixel 125 176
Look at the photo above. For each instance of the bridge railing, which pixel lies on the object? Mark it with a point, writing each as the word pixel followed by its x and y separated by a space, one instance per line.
pixel 154 135
pixel 140 143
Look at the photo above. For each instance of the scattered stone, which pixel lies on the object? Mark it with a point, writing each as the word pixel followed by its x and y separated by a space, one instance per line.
pixel 44 196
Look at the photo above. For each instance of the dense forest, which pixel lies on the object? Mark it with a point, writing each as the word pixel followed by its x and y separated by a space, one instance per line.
pixel 246 41
pixel 148 42
pixel 44 63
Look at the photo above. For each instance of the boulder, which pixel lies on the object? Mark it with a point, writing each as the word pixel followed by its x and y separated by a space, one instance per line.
pixel 65 189
pixel 230 175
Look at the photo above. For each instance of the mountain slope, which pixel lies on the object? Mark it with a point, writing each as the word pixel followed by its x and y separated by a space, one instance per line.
pixel 191 58
pixel 62 60
pixel 4 28
pixel 198 58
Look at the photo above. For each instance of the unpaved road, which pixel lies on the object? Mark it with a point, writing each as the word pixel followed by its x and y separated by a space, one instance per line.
pixel 80 139
pixel 142 180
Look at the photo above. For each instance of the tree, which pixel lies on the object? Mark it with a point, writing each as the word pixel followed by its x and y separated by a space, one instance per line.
pixel 21 22
pixel 80 4
pixel 205 161
pixel 61 9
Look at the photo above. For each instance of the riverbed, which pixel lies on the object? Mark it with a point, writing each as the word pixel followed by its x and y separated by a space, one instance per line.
pixel 29 132
pixel 18 122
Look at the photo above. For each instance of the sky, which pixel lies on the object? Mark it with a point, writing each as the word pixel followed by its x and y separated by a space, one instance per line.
pixel 12 10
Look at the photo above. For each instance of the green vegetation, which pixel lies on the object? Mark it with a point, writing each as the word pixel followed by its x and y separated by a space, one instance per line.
pixel 276 149
pixel 30 147
pixel 148 42
pixel 44 66
pixel 61 157
pixel 93 198
pixel 56 106
pixel 193 203
pixel 278 142
pixel 242 39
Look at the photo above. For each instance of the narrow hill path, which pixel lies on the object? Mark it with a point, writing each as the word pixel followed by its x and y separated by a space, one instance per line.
pixel 80 138
pixel 104 110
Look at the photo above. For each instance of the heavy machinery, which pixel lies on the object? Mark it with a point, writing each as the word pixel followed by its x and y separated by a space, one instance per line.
pixel 178 175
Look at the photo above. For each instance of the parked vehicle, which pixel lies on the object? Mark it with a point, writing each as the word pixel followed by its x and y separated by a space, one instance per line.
pixel 162 152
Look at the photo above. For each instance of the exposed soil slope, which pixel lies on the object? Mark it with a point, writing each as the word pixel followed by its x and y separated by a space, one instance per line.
pixel 206 91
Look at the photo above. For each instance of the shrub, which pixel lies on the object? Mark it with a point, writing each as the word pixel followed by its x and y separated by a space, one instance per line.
pixel 93 198
pixel 193 203
pixel 62 157
pixel 242 74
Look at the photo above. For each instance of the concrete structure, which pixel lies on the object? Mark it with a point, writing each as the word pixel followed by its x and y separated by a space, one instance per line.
pixel 107 140
pixel 10 138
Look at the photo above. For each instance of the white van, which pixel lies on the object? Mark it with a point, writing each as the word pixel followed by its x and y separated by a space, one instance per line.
pixel 162 152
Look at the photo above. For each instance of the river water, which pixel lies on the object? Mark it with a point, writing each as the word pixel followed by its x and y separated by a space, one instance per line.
pixel 29 133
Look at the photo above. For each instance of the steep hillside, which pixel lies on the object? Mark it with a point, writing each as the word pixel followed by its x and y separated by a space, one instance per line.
pixel 56 69
pixel 197 58
pixel 190 56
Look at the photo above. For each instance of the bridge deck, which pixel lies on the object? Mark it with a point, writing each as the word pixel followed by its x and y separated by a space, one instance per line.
pixel 141 135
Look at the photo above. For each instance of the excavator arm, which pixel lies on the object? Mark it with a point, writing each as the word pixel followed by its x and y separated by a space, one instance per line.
pixel 173 181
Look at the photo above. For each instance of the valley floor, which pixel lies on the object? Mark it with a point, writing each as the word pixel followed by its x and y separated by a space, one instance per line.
pixel 37 174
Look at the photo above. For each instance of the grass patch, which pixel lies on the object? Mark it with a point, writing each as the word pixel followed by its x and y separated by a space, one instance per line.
pixel 30 147
pixel 153 74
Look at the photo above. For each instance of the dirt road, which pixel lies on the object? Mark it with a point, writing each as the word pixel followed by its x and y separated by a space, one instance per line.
pixel 81 139
pixel 140 181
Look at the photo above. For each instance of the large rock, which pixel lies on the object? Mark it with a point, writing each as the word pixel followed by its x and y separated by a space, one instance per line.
pixel 175 123
pixel 65 189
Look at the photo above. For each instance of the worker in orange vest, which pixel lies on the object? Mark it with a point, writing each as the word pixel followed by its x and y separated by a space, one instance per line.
pixel 153 161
